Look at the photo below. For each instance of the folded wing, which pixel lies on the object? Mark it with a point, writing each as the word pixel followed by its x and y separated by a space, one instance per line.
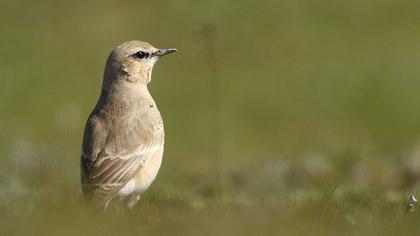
pixel 112 156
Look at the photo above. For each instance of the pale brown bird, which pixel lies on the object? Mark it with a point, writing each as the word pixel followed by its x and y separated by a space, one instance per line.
pixel 123 139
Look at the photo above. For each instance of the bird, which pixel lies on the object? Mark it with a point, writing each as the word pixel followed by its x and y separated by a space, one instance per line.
pixel 123 139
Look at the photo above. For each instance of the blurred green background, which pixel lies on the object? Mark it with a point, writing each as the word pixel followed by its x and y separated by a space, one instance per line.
pixel 281 116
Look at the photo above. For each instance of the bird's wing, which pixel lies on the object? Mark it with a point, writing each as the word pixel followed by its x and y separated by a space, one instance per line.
pixel 110 173
pixel 112 156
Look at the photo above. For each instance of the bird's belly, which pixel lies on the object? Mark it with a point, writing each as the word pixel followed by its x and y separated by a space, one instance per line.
pixel 145 176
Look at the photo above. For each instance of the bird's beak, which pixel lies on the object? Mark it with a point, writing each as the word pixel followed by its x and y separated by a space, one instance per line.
pixel 163 51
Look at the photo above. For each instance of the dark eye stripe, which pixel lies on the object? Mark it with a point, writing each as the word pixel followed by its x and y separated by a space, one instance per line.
pixel 141 55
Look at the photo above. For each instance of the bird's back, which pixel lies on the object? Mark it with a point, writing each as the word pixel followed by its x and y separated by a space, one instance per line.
pixel 120 137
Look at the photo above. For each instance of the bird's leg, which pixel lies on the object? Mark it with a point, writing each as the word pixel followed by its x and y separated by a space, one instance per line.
pixel 119 207
pixel 131 200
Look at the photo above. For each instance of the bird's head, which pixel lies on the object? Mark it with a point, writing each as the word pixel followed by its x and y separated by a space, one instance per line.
pixel 133 61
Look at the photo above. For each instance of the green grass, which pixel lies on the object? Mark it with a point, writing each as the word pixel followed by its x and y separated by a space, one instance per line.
pixel 290 117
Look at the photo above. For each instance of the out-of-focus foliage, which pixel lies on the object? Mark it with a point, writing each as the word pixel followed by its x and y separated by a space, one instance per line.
pixel 280 116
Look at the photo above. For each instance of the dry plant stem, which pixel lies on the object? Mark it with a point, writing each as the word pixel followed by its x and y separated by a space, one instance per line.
pixel 207 35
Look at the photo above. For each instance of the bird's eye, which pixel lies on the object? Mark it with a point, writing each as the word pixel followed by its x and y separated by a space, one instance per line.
pixel 141 54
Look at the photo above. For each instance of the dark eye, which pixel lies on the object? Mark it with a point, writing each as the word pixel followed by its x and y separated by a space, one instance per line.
pixel 141 54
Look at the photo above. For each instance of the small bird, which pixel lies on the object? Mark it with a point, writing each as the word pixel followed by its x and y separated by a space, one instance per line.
pixel 123 138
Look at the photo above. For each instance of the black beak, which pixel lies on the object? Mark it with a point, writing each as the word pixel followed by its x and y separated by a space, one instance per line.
pixel 164 51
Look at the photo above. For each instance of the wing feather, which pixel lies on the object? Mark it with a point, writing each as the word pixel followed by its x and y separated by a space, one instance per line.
pixel 112 156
